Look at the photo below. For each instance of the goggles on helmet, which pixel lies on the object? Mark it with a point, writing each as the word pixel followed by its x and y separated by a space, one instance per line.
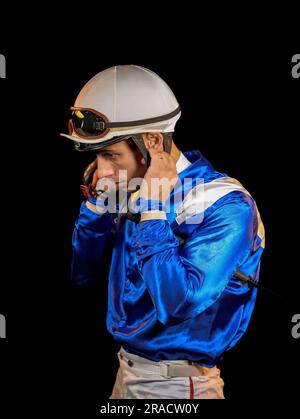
pixel 90 124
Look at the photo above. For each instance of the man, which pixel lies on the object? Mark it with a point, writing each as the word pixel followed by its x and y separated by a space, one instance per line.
pixel 175 304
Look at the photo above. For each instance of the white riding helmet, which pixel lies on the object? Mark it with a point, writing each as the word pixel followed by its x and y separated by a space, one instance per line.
pixel 119 103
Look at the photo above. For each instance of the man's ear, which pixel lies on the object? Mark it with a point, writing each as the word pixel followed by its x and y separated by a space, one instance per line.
pixel 153 140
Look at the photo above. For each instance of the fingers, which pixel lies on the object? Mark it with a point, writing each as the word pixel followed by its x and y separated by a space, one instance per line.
pixel 153 152
pixel 163 159
pixel 153 148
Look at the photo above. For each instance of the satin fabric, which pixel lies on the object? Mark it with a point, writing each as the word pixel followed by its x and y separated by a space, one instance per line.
pixel 171 292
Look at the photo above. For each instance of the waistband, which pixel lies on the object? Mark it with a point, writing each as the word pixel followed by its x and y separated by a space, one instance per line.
pixel 167 368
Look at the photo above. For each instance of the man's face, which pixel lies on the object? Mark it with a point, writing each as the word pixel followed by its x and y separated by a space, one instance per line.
pixel 120 156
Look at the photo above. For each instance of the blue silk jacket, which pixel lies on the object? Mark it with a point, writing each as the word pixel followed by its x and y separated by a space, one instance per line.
pixel 171 291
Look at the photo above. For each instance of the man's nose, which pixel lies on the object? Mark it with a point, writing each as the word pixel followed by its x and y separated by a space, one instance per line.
pixel 105 168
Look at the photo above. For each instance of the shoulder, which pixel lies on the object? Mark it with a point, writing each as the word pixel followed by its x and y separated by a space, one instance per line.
pixel 221 195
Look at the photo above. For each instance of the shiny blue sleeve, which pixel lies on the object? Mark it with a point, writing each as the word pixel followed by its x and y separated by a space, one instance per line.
pixel 91 235
pixel 185 280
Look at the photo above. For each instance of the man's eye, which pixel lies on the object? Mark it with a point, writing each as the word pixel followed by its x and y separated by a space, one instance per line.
pixel 110 155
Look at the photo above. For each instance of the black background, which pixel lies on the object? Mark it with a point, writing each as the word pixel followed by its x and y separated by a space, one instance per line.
pixel 240 109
